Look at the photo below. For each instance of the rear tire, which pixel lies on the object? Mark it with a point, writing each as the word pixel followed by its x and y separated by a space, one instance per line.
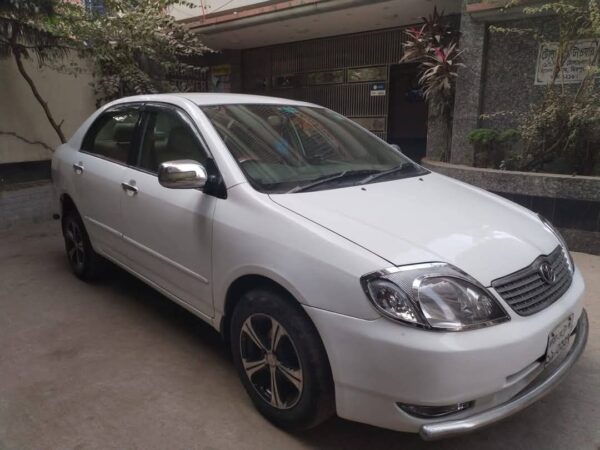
pixel 85 263
pixel 302 396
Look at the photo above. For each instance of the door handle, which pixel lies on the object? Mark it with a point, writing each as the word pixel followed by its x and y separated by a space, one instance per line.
pixel 78 168
pixel 129 188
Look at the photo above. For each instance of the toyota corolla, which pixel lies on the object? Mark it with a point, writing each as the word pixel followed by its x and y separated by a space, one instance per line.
pixel 345 277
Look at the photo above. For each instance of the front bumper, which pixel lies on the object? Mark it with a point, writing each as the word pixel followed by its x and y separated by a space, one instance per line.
pixel 379 364
pixel 522 400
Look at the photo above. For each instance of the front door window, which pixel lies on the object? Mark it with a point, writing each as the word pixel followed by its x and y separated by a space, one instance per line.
pixel 168 137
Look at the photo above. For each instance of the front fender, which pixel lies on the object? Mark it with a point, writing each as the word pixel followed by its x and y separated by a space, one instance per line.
pixel 254 236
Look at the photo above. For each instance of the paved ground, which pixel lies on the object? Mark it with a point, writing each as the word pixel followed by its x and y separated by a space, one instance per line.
pixel 117 366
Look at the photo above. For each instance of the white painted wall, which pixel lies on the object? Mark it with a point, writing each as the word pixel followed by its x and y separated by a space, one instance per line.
pixel 70 99
pixel 210 7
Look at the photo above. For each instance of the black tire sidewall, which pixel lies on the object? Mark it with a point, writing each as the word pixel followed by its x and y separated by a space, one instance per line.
pixel 316 403
pixel 88 270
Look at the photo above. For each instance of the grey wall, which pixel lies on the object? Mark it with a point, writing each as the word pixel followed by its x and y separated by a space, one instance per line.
pixel 496 88
pixel 70 99
pixel 508 87
pixel 467 99
pixel 571 203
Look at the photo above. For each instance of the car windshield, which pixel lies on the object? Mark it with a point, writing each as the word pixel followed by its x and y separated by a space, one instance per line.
pixel 284 148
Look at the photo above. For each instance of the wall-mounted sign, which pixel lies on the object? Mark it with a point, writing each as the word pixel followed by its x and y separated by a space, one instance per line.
pixel 220 78
pixel 575 67
pixel 377 89
pixel 361 74
pixel 328 77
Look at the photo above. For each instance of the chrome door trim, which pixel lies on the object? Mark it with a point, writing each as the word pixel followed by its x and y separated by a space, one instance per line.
pixel 166 260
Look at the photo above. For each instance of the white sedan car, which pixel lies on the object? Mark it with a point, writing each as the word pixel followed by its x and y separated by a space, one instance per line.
pixel 346 278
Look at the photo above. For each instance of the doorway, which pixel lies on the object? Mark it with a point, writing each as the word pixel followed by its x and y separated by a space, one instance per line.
pixel 407 111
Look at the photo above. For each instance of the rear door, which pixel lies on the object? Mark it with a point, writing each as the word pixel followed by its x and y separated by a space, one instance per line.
pixel 99 167
pixel 168 232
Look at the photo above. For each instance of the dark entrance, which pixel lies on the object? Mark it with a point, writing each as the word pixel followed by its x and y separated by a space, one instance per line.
pixel 407 118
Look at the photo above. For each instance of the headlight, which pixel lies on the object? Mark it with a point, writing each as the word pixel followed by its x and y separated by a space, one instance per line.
pixel 561 240
pixel 434 296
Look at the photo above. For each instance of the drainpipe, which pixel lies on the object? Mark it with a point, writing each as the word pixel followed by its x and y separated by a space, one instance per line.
pixel 291 13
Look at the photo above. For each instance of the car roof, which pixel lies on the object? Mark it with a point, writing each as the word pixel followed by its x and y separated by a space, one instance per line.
pixel 214 98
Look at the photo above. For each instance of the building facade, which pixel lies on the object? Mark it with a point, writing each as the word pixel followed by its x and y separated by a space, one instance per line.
pixel 345 55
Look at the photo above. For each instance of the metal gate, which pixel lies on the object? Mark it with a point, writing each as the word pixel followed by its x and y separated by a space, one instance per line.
pixel 348 73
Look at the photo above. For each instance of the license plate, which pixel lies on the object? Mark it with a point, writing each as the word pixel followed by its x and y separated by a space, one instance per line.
pixel 558 339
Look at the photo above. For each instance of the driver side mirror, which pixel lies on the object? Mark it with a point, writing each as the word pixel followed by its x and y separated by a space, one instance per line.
pixel 182 174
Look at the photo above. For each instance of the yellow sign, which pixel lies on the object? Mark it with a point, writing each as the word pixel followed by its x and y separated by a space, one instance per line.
pixel 222 70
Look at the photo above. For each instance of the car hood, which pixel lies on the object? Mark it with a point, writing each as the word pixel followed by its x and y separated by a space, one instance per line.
pixel 429 218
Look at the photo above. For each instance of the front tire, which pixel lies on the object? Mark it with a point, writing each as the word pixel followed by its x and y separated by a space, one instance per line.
pixel 85 263
pixel 281 360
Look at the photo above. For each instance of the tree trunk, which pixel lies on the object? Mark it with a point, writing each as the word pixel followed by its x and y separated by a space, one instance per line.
pixel 57 126
pixel 439 129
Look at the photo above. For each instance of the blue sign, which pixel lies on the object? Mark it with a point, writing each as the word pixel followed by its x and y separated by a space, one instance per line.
pixel 377 89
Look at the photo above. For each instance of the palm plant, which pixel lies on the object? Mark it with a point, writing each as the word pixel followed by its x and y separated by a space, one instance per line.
pixel 434 46
pixel 440 71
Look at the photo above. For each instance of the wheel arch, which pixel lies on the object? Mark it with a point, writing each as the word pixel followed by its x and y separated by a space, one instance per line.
pixel 326 392
pixel 244 283
pixel 67 205
pixel 241 285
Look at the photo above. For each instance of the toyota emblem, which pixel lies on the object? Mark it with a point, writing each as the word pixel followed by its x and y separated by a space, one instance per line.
pixel 547 273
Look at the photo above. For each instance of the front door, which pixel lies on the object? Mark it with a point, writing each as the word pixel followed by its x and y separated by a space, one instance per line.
pixel 168 232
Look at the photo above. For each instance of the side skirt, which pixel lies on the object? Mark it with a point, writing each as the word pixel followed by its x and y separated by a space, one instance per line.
pixel 180 302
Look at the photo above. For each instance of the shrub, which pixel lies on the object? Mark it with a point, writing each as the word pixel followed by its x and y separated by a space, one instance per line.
pixel 493 148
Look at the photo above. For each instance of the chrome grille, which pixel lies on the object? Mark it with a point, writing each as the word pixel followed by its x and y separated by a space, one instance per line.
pixel 527 292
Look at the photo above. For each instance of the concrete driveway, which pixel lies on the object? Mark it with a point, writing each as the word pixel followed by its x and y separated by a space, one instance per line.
pixel 115 365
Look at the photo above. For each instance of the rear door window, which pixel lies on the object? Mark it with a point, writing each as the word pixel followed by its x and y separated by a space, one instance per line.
pixel 113 134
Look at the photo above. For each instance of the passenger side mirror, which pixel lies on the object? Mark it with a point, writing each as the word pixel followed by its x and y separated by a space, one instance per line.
pixel 182 174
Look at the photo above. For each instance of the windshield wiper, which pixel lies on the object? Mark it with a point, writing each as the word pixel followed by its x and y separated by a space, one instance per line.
pixel 328 178
pixel 401 168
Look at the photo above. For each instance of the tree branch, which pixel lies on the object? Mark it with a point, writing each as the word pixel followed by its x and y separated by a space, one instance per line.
pixel 17 55
pixel 24 139
pixel 40 47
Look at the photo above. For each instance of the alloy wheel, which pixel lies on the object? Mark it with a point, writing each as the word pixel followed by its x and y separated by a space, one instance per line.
pixel 75 245
pixel 271 361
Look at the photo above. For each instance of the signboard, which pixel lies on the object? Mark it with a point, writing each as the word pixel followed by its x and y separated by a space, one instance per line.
pixel 575 67
pixel 377 89
pixel 220 78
